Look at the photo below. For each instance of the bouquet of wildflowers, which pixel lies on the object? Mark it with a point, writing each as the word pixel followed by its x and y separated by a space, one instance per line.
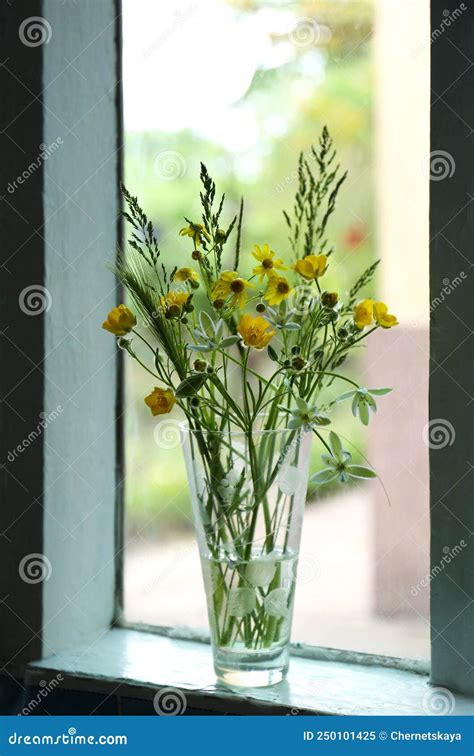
pixel 244 357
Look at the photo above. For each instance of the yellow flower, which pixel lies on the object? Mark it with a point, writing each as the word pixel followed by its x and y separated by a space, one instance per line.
pixel 230 284
pixel 120 321
pixel 196 231
pixel 268 263
pixel 254 331
pixel 368 312
pixel 160 401
pixel 187 274
pixel 364 313
pixel 174 302
pixel 382 316
pixel 278 289
pixel 311 266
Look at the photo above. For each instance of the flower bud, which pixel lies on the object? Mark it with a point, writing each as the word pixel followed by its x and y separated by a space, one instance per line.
pixel 173 311
pixel 196 255
pixel 200 365
pixel 295 350
pixel 329 299
pixel 298 363
pixel 260 307
pixel 218 304
pixel 318 355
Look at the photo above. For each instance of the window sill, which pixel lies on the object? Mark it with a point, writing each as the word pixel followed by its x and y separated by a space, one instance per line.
pixel 131 663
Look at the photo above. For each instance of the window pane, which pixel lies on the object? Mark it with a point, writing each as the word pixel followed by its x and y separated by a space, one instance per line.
pixel 245 87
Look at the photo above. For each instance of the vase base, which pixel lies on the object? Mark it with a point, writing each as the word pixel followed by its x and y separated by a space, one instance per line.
pixel 238 667
pixel 257 678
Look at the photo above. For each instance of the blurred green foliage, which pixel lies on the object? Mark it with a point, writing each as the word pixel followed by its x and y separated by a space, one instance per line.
pixel 328 81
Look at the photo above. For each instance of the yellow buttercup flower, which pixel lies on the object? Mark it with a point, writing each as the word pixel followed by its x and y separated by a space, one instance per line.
pixel 382 317
pixel 364 313
pixel 186 274
pixel 267 260
pixel 160 401
pixel 120 321
pixel 312 266
pixel 368 312
pixel 230 284
pixel 278 289
pixel 173 302
pixel 196 231
pixel 255 331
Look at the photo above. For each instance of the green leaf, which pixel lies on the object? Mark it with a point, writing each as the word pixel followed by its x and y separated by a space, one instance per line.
pixel 295 422
pixel 380 392
pixel 218 328
pixel 241 601
pixel 355 405
pixel 276 603
pixel 190 385
pixel 364 413
pixel 371 402
pixel 272 354
pixel 358 471
pixel 323 476
pixel 347 395
pixel 206 323
pixel 335 444
pixel 291 327
pixel 229 341
pixel 259 572
pixel 322 420
pixel 200 347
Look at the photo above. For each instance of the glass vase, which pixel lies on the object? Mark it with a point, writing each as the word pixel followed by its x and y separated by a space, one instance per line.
pixel 248 493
